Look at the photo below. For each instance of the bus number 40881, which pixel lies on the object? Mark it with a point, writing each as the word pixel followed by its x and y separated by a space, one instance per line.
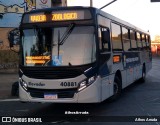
pixel 67 84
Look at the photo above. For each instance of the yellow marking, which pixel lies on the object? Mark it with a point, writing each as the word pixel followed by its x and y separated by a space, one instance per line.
pixel 38 18
pixel 64 16
pixel 37 59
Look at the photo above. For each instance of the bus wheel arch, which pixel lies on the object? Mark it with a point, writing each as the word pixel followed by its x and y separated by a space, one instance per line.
pixel 117 86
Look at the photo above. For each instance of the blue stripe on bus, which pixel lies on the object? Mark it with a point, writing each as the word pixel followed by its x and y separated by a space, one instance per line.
pixel 104 70
pixel 91 72
pixel 130 59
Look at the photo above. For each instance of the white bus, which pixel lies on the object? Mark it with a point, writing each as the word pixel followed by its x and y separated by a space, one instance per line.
pixel 79 55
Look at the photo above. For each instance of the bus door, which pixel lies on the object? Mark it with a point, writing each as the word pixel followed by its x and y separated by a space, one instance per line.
pixel 117 48
pixel 105 60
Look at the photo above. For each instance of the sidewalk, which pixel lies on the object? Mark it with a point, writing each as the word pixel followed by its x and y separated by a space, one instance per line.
pixel 6 81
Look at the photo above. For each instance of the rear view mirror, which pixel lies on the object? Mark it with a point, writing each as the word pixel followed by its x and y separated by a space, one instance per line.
pixel 14 37
pixel 105 36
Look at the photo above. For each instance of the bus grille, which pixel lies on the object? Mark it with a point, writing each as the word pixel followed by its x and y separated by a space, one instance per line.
pixel 62 93
pixel 51 73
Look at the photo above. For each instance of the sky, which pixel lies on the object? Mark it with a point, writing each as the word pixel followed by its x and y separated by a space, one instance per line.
pixel 141 13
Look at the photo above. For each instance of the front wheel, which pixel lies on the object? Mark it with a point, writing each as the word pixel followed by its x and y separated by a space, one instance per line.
pixel 117 89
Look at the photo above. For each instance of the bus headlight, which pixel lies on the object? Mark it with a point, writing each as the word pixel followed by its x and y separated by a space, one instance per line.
pixel 23 84
pixel 87 82
pixel 91 79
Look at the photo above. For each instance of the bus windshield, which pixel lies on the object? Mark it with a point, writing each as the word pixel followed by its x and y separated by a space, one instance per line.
pixel 58 46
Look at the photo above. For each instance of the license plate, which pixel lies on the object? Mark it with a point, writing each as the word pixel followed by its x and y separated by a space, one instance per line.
pixel 50 96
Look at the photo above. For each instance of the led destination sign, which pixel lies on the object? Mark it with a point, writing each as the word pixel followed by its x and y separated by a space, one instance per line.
pixel 56 16
pixel 64 16
pixel 37 59
pixel 38 18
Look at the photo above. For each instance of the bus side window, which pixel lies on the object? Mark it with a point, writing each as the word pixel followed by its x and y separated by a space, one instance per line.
pixel 133 40
pixel 125 39
pixel 116 37
pixel 147 42
pixel 143 41
pixel 103 45
pixel 138 36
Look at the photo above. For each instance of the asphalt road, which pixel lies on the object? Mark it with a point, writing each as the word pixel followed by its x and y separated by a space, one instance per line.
pixel 139 99
pixel 6 81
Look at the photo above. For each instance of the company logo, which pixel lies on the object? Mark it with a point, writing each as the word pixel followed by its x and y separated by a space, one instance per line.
pixel 44 1
pixel 36 84
pixel 6 119
pixel 19 119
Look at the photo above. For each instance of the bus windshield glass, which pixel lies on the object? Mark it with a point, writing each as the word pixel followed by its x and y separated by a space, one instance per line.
pixel 58 46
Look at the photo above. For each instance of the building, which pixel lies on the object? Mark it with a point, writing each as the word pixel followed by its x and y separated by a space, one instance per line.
pixel 10 17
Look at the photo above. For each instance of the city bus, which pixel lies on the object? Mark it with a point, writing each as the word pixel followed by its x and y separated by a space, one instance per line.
pixel 78 55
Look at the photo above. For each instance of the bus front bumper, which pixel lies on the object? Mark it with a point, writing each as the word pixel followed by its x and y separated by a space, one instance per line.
pixel 91 94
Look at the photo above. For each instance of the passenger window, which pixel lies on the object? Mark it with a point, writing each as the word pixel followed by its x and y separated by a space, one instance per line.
pixel 133 40
pixel 138 36
pixel 125 34
pixel 116 37
pixel 147 42
pixel 102 44
pixel 143 41
pixel 126 40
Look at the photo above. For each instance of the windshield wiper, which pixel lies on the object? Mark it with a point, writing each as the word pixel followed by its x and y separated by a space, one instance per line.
pixel 66 34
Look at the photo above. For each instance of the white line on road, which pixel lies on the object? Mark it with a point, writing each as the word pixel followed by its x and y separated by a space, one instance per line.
pixel 9 100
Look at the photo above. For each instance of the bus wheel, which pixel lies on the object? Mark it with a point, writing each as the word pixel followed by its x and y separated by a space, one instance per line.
pixel 117 89
pixel 143 75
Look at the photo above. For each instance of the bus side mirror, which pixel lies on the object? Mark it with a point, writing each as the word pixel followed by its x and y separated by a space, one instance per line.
pixel 105 36
pixel 14 37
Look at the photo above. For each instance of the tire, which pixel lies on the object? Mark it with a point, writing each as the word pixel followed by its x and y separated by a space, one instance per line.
pixel 14 90
pixel 117 89
pixel 143 78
